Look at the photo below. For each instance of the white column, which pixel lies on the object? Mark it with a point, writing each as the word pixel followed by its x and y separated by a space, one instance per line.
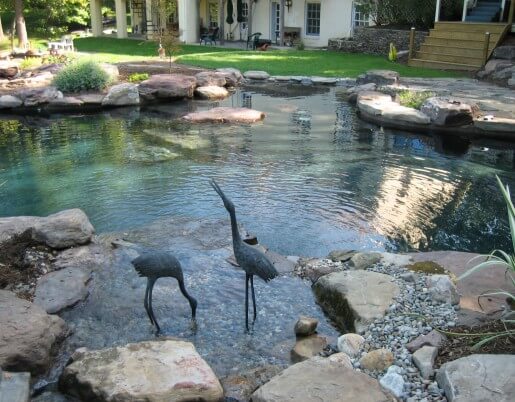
pixel 95 7
pixel 281 23
pixel 150 19
pixel 437 12
pixel 121 18
pixel 464 15
pixel 189 20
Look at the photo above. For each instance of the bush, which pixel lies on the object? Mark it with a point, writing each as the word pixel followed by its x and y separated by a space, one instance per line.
pixel 138 77
pixel 30 62
pixel 414 99
pixel 80 76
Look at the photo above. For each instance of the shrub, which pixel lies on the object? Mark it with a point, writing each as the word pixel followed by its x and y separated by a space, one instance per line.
pixel 301 46
pixel 81 75
pixel 30 62
pixel 414 99
pixel 138 77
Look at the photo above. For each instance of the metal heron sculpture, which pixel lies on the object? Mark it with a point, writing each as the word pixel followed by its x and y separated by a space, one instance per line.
pixel 161 265
pixel 250 259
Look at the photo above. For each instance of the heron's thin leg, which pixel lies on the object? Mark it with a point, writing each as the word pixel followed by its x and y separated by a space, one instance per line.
pixel 253 297
pixel 150 305
pixel 247 301
pixel 146 302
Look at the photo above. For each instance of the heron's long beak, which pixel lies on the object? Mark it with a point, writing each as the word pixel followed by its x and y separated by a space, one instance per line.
pixel 217 188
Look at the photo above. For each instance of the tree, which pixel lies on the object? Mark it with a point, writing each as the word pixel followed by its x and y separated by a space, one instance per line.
pixel 21 29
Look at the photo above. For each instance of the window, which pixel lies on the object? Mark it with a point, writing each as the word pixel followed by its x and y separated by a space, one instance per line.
pixel 361 18
pixel 245 11
pixel 313 19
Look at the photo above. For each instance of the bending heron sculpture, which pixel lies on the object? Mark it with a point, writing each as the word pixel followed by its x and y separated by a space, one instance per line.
pixel 161 265
pixel 250 259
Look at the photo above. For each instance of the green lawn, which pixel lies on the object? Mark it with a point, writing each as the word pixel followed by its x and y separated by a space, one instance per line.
pixel 275 62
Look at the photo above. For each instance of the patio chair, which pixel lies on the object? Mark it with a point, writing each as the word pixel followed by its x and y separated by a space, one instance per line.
pixel 255 42
pixel 211 36
pixel 65 44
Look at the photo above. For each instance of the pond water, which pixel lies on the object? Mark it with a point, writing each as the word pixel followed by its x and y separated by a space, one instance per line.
pixel 311 178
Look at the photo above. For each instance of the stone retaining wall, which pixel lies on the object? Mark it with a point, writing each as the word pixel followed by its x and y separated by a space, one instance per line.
pixel 376 40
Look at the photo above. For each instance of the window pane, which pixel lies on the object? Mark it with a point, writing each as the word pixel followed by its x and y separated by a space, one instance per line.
pixel 313 19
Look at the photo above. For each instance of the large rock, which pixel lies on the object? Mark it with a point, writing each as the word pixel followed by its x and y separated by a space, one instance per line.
pixel 225 115
pixel 9 102
pixel 393 381
pixel 305 326
pixel 307 347
pixel 152 371
pixel 256 75
pixel 497 124
pixel 493 66
pixel 364 260
pixel 350 344
pixel 354 299
pixel 38 96
pixel 14 387
pixel 211 92
pixel 211 79
pixel 424 359
pixel 449 112
pixel 167 87
pixel 504 52
pixel 433 338
pixel 314 268
pixel 9 69
pixel 319 379
pixel 379 77
pixel 442 289
pixel 233 76
pixel 125 94
pixel 60 289
pixel 28 335
pixel 377 360
pixel 341 255
pixel 478 378
pixel 240 386
pixel 351 94
pixel 504 74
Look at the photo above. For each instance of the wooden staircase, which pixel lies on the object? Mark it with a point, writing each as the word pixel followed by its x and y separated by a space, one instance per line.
pixel 458 45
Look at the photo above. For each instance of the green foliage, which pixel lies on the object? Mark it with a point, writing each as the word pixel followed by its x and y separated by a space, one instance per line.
pixel 30 62
pixel 65 58
pixel 500 258
pixel 392 54
pixel 414 99
pixel 80 76
pixel 300 46
pixel 138 77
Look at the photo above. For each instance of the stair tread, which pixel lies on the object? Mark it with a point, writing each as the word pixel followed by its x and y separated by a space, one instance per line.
pixel 444 62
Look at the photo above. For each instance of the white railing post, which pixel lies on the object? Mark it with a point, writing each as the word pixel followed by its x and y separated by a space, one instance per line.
pixel 437 12
pixel 464 15
pixel 503 6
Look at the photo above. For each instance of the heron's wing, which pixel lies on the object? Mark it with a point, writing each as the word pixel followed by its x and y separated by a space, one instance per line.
pixel 261 265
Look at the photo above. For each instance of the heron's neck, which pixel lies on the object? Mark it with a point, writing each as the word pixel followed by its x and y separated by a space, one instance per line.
pixel 234 228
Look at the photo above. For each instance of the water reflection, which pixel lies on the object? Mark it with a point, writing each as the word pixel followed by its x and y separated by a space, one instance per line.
pixel 309 179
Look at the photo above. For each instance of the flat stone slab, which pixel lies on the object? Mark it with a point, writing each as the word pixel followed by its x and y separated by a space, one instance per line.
pixel 14 387
pixel 167 87
pixel 320 379
pixel 379 77
pixel 307 347
pixel 125 94
pixel 211 78
pixel 61 289
pixel 324 80
pixel 151 371
pixel 256 75
pixel 211 92
pixel 354 299
pixel 497 124
pixel 27 334
pixel 449 111
pixel 225 115
pixel 478 378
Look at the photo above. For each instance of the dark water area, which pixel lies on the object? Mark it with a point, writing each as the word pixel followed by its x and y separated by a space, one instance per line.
pixel 309 179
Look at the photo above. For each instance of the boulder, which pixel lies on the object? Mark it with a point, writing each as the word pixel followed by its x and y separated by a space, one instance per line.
pixel 226 115
pixel 307 347
pixel 381 106
pixel 351 94
pixel 319 379
pixel 60 289
pixel 167 87
pixel 433 338
pixel 492 66
pixel 14 387
pixel 240 386
pixel 350 344
pixel 324 80
pixel 28 335
pixel 9 102
pixel 449 112
pixel 341 358
pixel 496 124
pixel 314 268
pixel 354 299
pixel 306 326
pixel 504 74
pixel 112 71
pixel 150 371
pixel 67 101
pixel 211 92
pixel 379 77
pixel 211 79
pixel 91 99
pixel 377 360
pixel 256 75
pixel 424 359
pixel 364 260
pixel 393 381
pixel 9 70
pixel 478 378
pixel 38 96
pixel 233 76
pixel 341 255
pixel 125 94
pixel 64 229
pixel 442 289
pixel 504 52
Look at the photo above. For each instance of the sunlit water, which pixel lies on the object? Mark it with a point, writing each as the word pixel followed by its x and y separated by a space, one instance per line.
pixel 309 179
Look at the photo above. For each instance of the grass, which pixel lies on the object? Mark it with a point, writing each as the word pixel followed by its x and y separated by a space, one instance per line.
pixel 275 62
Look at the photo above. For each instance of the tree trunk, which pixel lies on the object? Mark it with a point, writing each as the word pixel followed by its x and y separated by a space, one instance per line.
pixel 2 36
pixel 21 29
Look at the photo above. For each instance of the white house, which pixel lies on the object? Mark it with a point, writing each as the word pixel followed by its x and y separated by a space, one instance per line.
pixel 312 21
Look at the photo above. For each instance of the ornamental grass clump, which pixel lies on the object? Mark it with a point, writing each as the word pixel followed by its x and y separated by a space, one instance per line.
pixel 507 261
pixel 82 75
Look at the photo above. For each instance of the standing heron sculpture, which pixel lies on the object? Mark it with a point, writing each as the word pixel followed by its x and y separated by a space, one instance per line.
pixel 250 259
pixel 161 265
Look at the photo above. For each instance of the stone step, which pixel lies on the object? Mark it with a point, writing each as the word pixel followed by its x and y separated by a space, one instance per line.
pixel 441 65
pixel 450 58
